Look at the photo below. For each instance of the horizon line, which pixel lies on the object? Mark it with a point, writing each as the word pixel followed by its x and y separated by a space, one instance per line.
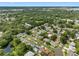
pixel 37 4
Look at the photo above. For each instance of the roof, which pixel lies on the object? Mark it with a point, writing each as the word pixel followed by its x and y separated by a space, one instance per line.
pixel 29 54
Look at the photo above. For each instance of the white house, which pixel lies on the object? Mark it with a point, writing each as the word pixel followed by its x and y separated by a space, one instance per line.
pixel 30 53
pixel 77 35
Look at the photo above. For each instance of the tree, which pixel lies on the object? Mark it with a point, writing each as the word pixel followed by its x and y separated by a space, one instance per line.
pixel 28 32
pixel 76 26
pixel 1 52
pixel 63 39
pixel 65 33
pixel 3 43
pixel 44 34
pixel 72 34
pixel 77 46
pixel 15 42
pixel 21 49
pixel 54 37
pixel 7 35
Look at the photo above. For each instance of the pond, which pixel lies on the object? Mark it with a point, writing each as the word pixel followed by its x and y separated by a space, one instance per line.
pixel 7 48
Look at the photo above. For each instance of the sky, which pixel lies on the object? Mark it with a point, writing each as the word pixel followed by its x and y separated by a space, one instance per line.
pixel 39 4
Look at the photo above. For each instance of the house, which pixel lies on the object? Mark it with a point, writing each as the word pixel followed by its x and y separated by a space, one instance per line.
pixel 46 40
pixel 35 49
pixel 27 25
pixel 29 53
pixel 77 35
pixel 76 21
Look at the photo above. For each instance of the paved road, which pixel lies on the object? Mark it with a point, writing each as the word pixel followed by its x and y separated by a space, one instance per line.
pixel 58 52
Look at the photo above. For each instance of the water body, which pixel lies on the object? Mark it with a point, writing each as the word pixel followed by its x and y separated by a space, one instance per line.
pixel 7 49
